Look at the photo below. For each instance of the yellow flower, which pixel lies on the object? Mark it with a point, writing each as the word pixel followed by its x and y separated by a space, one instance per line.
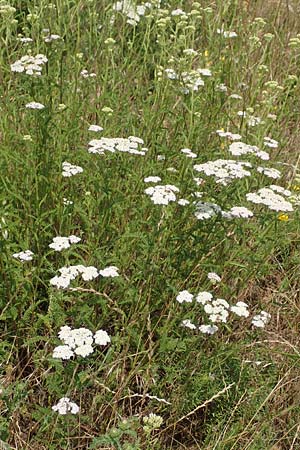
pixel 283 217
pixel 296 187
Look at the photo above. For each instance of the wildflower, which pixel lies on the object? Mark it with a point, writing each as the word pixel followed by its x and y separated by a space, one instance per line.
pixel 62 352
pixel 239 211
pixel 65 406
pixel 124 145
pixel 213 277
pixel 69 170
pixel 226 34
pixel 85 74
pixel 270 198
pixel 25 40
pixel 269 172
pixel 190 52
pixel 51 38
pixel 229 135
pixel 188 153
pixel 162 195
pixel 102 338
pixel 84 350
pixel 27 137
pixel 60 242
pixel 241 309
pixel 95 128
pixel 208 329
pixel 111 271
pixel 240 148
pixel 261 319
pixel 152 179
pixel 67 202
pixel 206 210
pixel 224 170
pixel 152 422
pixel 188 324
pixel 183 202
pixel 34 105
pixel 217 310
pixel 89 273
pixel 204 297
pixel 31 65
pixel 184 296
pixel 270 142
pixel 27 255
pixel 283 217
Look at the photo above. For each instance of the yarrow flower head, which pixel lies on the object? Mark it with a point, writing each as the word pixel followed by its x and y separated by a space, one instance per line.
pixel 110 271
pixel 60 242
pixel 34 105
pixel 214 277
pixel 241 309
pixel 152 179
pixel 240 148
pixel 27 255
pixel 272 197
pixel 69 169
pixel 65 406
pixel 188 152
pixel 224 170
pixel 131 145
pixel 188 324
pixel 162 195
pixel 184 297
pixel 261 319
pixel 31 65
pixel 95 128
pixel 78 342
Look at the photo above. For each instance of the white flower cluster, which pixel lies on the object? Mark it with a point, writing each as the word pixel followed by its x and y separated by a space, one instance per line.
pixel 27 255
pixel 162 195
pixel 214 277
pixel 269 172
pixel 152 179
pixel 240 148
pixel 78 341
pixel 188 152
pixel 228 135
pixel 34 105
pixel 69 169
pixel 206 210
pixel 31 65
pixel 237 211
pixel 124 145
pixel 61 242
pixel 65 406
pixel 85 74
pixel 226 34
pixel 67 274
pixel 218 310
pixel 189 81
pixel 268 142
pixel 132 11
pixel 252 121
pixel 261 319
pixel 52 37
pixel 272 197
pixel 224 170
pixel 95 128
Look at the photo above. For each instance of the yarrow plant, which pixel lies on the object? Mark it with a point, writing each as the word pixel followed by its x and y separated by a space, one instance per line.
pixel 30 65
